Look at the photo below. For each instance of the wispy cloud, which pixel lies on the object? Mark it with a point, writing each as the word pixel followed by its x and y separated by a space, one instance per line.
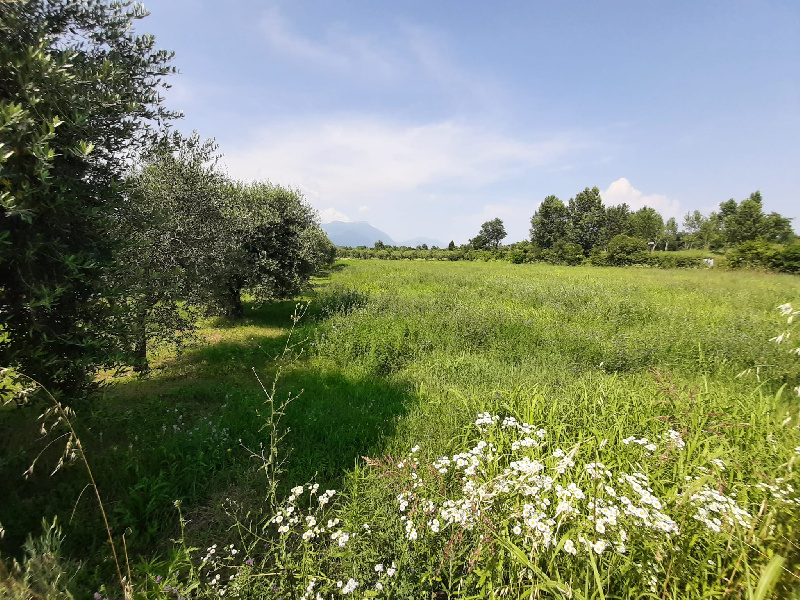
pixel 340 49
pixel 351 162
pixel 621 191
pixel 411 57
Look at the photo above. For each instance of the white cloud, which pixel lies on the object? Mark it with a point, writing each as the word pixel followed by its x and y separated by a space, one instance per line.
pixel 621 191
pixel 329 215
pixel 350 162
pixel 363 208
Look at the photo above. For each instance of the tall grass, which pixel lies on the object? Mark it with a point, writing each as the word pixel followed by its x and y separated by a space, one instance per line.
pixel 658 375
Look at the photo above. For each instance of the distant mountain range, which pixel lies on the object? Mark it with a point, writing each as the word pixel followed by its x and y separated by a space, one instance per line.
pixel 361 233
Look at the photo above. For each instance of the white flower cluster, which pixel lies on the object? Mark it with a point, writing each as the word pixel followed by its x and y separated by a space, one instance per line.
pixel 290 515
pixel 221 568
pixel 537 494
pixel 648 445
pixel 384 575
pixel 674 438
pixel 718 511
pixel 785 494
pixel 787 311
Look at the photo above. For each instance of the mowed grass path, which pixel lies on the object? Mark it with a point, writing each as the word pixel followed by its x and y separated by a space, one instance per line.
pixel 395 353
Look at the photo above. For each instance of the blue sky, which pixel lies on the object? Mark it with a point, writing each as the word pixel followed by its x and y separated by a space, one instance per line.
pixel 429 118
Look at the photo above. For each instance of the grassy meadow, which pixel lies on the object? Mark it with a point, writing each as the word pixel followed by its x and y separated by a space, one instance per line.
pixel 481 424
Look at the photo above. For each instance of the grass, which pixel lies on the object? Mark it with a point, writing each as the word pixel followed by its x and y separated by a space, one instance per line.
pixel 399 354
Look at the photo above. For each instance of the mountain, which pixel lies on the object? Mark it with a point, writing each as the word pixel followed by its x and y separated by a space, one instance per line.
pixel 355 233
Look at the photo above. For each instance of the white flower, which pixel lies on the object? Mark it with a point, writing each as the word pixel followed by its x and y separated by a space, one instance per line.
pixel 379 568
pixel 569 547
pixel 600 527
pixel 297 490
pixel 351 585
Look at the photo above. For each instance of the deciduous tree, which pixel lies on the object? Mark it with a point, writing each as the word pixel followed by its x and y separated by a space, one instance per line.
pixel 492 232
pixel 586 218
pixel 549 223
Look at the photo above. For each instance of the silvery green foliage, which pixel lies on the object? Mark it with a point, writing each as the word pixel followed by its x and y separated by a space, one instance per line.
pixel 277 244
pixel 195 240
pixel 176 235
pixel 79 92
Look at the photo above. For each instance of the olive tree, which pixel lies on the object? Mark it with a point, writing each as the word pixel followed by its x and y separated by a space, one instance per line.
pixel 79 93
pixel 277 244
pixel 177 233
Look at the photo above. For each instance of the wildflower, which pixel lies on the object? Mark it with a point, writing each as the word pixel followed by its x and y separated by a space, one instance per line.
pixel 379 568
pixel 379 586
pixel 391 570
pixel 351 585
pixel 569 547
pixel 600 527
pixel 298 490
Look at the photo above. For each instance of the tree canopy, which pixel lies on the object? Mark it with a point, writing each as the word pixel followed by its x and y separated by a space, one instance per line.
pixel 491 234
pixel 79 93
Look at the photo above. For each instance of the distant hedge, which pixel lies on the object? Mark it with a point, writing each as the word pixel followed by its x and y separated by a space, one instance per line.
pixel 622 251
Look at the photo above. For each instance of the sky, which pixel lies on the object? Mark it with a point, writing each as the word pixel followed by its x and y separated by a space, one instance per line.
pixel 429 118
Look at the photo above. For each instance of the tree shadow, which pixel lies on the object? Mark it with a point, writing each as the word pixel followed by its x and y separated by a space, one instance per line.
pixel 182 433
pixel 265 314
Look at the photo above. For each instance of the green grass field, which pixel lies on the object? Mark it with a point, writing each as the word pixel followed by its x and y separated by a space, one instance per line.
pixel 395 361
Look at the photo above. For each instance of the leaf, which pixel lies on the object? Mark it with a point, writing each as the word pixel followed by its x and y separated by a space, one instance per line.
pixel 769 577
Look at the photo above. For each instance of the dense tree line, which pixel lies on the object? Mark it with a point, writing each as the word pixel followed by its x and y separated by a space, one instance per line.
pixel 114 232
pixel 584 230
pixel 586 222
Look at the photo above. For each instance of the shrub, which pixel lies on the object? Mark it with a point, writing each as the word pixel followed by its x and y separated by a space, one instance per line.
pixel 621 250
pixel 688 262
pixel 566 253
pixel 598 258
pixel 787 260
pixel 755 254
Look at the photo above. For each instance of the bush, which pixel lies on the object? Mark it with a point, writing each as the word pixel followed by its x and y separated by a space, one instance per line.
pixel 688 262
pixel 755 254
pixel 598 258
pixel 666 260
pixel 622 248
pixel 787 260
pixel 566 253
